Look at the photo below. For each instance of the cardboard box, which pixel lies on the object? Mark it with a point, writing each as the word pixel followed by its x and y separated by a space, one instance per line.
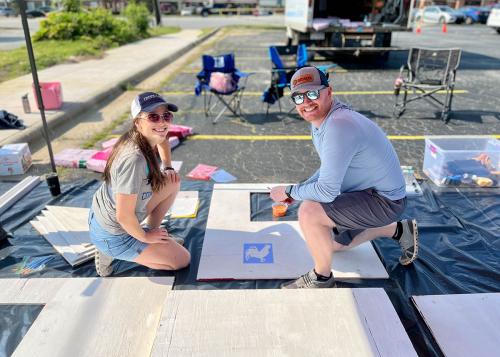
pixel 15 159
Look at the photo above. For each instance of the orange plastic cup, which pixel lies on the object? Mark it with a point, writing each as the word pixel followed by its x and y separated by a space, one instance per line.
pixel 279 209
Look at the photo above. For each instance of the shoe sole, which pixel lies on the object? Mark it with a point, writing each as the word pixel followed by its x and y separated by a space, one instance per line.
pixel 415 244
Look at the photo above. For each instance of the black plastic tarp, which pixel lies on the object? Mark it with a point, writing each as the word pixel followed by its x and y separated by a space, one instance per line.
pixel 459 249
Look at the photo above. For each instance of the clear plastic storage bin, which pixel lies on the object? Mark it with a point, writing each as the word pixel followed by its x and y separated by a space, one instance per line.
pixel 462 161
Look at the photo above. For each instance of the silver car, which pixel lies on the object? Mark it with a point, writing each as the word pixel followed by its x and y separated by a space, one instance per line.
pixel 440 15
pixel 7 11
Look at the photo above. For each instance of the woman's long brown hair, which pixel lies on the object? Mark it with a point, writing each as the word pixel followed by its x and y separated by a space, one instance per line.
pixel 134 137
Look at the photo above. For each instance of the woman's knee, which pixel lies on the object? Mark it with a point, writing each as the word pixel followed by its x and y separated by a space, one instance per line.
pixel 182 260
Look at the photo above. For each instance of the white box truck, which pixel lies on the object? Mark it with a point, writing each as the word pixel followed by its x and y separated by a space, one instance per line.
pixel 347 25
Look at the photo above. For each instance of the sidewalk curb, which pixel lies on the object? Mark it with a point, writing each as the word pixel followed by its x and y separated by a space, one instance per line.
pixel 35 132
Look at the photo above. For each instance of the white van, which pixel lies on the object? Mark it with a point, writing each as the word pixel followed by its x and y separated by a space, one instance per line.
pixel 494 18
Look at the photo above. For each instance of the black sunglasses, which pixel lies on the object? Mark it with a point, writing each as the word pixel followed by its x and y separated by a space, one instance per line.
pixel 299 98
pixel 155 118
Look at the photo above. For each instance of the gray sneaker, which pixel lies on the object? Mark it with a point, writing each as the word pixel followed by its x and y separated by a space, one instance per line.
pixel 103 264
pixel 409 241
pixel 309 281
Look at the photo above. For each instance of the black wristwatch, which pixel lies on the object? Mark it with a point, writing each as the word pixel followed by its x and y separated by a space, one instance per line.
pixel 288 192
pixel 168 168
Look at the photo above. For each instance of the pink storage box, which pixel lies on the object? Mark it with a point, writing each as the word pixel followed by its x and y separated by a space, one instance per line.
pixel 51 95
pixel 98 161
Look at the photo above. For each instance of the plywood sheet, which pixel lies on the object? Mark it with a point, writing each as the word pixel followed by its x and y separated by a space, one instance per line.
pixel 29 291
pixel 236 248
pixel 99 317
pixel 322 322
pixel 463 324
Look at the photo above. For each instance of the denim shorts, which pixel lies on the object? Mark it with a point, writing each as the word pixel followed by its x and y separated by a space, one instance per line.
pixel 353 212
pixel 118 246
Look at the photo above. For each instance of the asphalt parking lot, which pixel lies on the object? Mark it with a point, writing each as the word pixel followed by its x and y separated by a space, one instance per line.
pixel 365 84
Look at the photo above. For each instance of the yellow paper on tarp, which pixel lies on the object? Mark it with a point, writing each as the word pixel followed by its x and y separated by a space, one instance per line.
pixel 186 205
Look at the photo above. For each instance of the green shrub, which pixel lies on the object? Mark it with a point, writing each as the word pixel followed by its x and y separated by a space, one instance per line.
pixel 96 23
pixel 138 17
pixel 71 5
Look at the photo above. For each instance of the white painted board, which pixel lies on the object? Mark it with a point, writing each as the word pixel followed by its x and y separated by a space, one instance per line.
pixel 185 205
pixel 463 324
pixel 234 247
pixel 319 322
pixel 98 317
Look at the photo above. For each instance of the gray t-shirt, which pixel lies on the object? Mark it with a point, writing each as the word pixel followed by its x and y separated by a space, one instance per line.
pixel 129 175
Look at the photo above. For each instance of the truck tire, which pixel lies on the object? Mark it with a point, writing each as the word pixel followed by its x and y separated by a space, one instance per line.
pixel 204 13
pixel 498 30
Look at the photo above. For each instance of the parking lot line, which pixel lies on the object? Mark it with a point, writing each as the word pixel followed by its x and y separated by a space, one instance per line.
pixel 298 137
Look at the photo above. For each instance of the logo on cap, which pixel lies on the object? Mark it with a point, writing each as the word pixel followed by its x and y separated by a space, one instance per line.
pixel 303 79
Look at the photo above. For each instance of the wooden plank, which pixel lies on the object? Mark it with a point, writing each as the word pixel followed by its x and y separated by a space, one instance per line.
pixel 29 291
pixel 75 232
pixel 463 324
pixel 320 322
pixel 230 232
pixel 98 317
pixel 45 228
pixel 17 192
pixel 382 324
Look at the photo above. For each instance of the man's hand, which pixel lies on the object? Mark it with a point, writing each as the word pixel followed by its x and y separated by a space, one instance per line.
pixel 171 176
pixel 278 194
pixel 157 235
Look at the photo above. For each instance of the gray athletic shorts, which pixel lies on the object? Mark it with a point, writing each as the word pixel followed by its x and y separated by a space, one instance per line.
pixel 353 212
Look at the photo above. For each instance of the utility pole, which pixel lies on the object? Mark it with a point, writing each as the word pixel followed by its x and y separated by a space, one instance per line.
pixel 156 8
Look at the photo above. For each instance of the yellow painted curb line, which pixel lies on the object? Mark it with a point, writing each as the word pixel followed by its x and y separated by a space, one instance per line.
pixel 297 137
pixel 379 92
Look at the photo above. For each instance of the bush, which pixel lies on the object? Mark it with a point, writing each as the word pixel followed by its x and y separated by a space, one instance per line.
pixel 71 5
pixel 97 23
pixel 138 17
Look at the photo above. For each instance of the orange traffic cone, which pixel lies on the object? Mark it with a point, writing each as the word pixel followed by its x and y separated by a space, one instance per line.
pixel 418 30
pixel 444 28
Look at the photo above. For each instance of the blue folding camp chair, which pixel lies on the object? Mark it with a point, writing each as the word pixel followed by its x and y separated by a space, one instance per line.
pixel 285 60
pixel 231 97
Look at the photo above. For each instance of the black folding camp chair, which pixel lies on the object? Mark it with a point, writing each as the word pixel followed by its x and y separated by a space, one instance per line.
pixel 230 99
pixel 427 73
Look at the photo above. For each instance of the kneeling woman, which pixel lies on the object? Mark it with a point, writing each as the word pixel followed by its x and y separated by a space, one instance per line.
pixel 135 189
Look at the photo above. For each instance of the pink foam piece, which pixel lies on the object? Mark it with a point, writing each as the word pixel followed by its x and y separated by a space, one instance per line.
pixel 109 143
pixel 202 172
pixel 98 161
pixel 51 95
pixel 181 131
pixel 74 158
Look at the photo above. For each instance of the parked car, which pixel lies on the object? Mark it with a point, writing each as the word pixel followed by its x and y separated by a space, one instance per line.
pixel 34 13
pixel 7 11
pixel 45 9
pixel 494 18
pixel 470 13
pixel 440 14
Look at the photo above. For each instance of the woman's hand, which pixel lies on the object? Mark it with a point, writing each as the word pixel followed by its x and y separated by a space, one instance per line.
pixel 157 235
pixel 171 176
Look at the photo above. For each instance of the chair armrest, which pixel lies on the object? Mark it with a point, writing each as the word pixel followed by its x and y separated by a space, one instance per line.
pixel 243 74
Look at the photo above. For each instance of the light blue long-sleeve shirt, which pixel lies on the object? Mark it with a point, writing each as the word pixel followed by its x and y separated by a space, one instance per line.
pixel 355 155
